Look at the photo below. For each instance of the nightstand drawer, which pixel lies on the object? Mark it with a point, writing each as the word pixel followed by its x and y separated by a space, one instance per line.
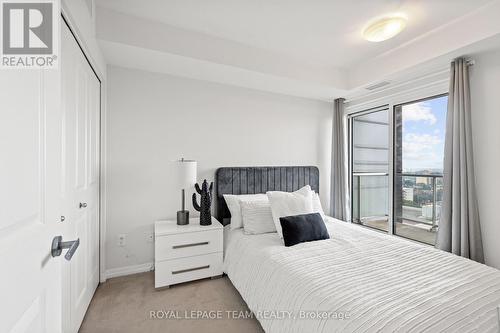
pixel 187 244
pixel 187 269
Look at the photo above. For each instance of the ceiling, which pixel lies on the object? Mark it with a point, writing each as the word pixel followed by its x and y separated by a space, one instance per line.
pixel 316 41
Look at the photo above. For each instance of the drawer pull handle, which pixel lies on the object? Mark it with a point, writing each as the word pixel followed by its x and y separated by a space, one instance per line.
pixel 189 245
pixel 191 269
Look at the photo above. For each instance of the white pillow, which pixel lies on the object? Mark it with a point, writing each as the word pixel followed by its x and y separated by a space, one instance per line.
pixel 233 203
pixel 289 203
pixel 257 217
pixel 316 204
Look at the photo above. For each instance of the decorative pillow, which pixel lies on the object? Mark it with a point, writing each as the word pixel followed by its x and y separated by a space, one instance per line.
pixel 257 217
pixel 233 203
pixel 303 228
pixel 316 203
pixel 289 203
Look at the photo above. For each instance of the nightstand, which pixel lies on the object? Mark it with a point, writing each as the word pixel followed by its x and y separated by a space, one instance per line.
pixel 187 252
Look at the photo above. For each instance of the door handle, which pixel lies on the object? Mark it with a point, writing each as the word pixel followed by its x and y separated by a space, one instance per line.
pixel 58 245
pixel 83 205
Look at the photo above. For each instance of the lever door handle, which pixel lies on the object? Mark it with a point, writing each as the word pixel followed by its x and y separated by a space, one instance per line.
pixel 83 205
pixel 58 245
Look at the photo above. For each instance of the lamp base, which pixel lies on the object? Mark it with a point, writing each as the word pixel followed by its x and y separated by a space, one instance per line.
pixel 183 217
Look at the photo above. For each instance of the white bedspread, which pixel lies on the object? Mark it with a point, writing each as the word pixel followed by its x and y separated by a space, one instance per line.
pixel 382 283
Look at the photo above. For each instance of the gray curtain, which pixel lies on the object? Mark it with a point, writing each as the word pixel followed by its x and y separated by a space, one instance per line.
pixel 339 187
pixel 459 228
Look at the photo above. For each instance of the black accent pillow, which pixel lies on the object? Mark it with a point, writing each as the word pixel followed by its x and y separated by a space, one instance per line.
pixel 303 228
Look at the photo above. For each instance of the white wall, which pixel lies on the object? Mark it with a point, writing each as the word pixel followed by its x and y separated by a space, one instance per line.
pixel 154 119
pixel 485 97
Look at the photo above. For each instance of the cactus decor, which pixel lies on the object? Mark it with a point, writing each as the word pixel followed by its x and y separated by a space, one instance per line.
pixel 205 202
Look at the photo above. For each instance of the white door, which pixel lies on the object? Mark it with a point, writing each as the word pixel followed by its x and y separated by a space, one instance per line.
pixel 80 176
pixel 30 162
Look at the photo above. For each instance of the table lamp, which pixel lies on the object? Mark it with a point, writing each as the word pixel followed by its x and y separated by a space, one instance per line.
pixel 186 177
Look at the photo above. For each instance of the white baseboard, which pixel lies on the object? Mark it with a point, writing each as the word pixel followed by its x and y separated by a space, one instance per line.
pixel 127 270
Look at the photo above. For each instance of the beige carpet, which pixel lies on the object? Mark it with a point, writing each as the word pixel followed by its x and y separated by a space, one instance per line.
pixel 124 304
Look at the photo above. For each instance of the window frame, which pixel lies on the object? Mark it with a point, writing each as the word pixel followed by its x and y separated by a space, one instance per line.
pixel 351 176
pixel 393 167
pixel 437 86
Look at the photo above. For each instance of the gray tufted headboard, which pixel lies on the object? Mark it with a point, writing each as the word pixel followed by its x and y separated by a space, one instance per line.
pixel 253 180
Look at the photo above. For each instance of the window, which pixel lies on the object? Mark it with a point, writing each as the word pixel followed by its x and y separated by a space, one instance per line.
pixel 419 129
pixel 370 168
pixel 396 167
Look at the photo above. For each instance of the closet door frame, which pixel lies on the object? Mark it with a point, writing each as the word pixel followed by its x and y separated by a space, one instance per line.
pixel 71 23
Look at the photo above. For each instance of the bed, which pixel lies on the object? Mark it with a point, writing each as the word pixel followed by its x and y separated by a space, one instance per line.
pixel 359 280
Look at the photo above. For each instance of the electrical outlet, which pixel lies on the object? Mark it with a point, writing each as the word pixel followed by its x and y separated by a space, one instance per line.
pixel 122 240
pixel 150 238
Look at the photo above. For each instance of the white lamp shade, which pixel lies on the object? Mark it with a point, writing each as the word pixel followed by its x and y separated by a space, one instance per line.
pixel 186 173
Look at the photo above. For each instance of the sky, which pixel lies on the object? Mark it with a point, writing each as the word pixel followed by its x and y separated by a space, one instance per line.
pixel 424 126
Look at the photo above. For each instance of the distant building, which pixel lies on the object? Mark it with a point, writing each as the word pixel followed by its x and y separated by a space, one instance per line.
pixel 427 211
pixel 423 180
pixel 408 193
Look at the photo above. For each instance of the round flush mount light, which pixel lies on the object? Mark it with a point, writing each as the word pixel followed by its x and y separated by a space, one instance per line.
pixel 384 28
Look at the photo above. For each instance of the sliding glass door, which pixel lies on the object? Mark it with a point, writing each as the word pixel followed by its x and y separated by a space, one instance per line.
pixel 396 167
pixel 369 165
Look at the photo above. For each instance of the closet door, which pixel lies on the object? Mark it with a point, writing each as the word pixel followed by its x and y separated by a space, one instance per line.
pixel 80 149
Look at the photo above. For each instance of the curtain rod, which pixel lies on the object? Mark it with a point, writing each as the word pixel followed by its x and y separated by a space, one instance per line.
pixel 470 62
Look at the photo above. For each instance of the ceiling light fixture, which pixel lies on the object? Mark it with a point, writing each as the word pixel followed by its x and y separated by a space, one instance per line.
pixel 384 28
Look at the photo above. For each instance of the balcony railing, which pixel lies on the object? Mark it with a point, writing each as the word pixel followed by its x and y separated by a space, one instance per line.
pixel 417 202
pixel 370 196
pixel 421 197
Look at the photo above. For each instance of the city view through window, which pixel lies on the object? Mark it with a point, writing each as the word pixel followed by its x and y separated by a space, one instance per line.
pixel 419 151
pixel 418 146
